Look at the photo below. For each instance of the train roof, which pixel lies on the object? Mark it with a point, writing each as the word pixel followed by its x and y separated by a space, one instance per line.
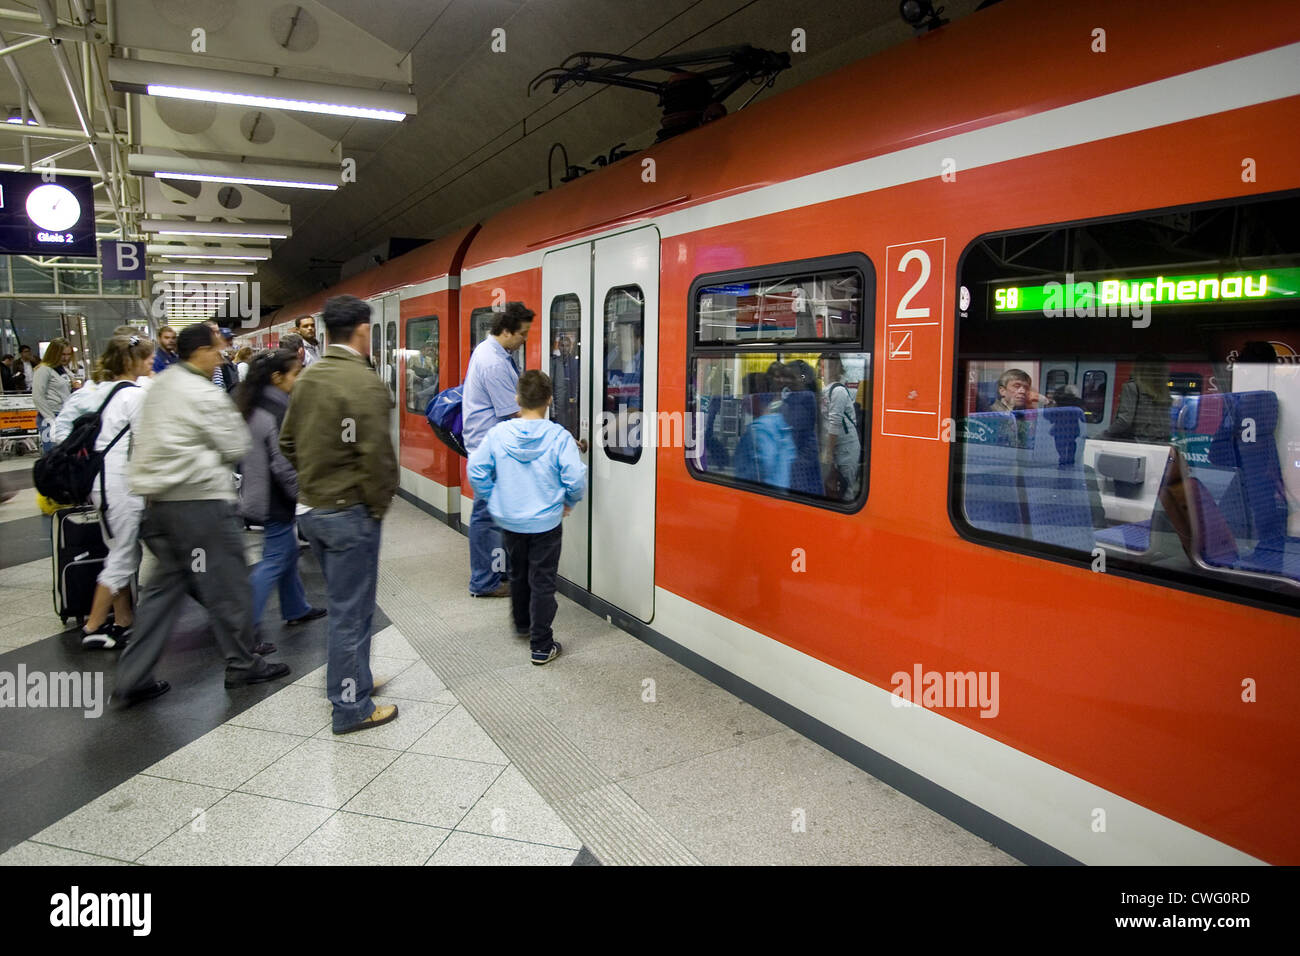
pixel 1015 59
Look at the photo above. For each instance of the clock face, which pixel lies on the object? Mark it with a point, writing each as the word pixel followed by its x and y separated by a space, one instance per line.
pixel 53 207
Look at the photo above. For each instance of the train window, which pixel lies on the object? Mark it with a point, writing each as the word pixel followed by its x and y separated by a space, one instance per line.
pixel 566 364
pixel 390 351
pixel 377 347
pixel 790 421
pixel 480 327
pixel 620 432
pixel 421 356
pixel 1129 396
pixel 799 305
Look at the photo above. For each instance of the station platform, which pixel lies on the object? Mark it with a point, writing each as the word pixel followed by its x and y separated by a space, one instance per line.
pixel 492 761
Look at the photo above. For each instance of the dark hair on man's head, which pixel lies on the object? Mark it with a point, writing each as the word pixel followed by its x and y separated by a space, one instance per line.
pixel 343 314
pixel 297 323
pixel 24 348
pixel 194 337
pixel 6 357
pixel 533 390
pixel 291 341
pixel 511 318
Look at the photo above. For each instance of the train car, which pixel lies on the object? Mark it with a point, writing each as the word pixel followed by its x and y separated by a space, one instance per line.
pixel 1038 564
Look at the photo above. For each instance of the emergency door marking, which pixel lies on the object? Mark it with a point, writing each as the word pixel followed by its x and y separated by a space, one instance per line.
pixel 912 374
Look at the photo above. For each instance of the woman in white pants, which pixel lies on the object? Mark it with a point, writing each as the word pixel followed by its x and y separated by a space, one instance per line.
pixel 125 359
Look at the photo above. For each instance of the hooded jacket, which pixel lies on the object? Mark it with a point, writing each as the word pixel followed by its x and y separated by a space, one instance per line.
pixel 268 489
pixel 187 440
pixel 528 470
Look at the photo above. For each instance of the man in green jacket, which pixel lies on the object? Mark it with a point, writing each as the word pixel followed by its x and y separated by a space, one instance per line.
pixel 336 434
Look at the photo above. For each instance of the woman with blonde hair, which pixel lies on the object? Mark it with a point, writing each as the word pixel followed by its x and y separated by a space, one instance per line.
pixel 51 386
pixel 125 359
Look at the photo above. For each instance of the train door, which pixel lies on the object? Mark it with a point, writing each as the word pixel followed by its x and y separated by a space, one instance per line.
pixel 624 337
pixel 566 336
pixel 384 315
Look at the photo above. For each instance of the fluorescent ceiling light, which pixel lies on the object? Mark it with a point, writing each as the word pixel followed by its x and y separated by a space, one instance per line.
pixel 245 180
pixel 250 256
pixel 273 92
pixel 231 230
pixel 210 271
pixel 224 171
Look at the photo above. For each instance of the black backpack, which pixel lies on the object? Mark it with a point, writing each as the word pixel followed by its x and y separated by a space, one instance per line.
pixel 67 474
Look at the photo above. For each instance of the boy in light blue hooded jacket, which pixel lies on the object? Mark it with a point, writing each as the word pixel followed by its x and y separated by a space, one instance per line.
pixel 530 472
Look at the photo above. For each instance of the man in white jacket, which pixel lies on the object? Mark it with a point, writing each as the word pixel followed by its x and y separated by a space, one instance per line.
pixel 186 443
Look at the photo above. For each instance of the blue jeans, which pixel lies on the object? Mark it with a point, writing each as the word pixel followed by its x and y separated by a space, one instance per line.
pixel 485 547
pixel 346 543
pixel 279 564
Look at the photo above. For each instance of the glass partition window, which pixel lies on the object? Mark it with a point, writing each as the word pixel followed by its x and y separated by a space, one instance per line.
pixel 623 366
pixel 390 351
pixel 793 420
pixel 421 361
pixel 480 327
pixel 566 362
pixel 1129 396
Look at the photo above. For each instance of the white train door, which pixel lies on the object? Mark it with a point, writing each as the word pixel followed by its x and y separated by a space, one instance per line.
pixel 566 358
pixel 600 330
pixel 624 357
pixel 384 315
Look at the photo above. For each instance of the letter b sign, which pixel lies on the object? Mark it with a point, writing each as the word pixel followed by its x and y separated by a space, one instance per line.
pixel 123 260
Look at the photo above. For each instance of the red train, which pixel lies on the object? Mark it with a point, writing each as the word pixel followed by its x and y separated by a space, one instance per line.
pixel 1051 585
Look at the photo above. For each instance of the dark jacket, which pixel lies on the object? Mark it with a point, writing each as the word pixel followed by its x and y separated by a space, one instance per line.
pixel 268 488
pixel 336 435
pixel 162 358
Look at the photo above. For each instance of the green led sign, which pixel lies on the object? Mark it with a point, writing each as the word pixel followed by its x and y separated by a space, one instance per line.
pixel 1097 298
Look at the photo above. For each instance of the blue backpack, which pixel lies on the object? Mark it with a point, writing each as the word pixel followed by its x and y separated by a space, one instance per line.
pixel 444 415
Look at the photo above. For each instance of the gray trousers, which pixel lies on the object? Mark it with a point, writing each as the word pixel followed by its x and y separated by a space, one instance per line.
pixel 199 549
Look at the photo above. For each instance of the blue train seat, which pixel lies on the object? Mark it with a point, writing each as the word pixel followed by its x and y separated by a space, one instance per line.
pixel 1056 488
pixel 991 494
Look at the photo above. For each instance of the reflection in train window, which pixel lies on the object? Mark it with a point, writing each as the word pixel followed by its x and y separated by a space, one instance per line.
pixel 780 307
pixel 1128 397
pixel 390 366
pixel 787 421
pixel 421 360
pixel 621 425
pixel 480 327
pixel 566 364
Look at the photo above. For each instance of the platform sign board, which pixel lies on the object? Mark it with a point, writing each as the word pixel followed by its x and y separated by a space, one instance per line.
pixel 44 218
pixel 123 260
pixel 912 372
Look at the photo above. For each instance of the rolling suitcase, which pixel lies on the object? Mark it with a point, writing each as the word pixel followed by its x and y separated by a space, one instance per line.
pixel 79 552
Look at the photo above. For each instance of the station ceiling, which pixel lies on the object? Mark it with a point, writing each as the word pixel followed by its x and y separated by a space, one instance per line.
pixel 477 143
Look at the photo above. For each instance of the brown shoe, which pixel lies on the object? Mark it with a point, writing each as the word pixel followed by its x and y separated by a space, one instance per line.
pixel 382 714
pixel 502 591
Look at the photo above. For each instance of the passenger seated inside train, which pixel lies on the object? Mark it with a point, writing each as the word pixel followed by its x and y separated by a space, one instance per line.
pixel 1016 392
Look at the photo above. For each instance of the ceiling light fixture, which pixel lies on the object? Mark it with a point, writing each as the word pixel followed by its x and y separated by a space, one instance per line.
pixel 220 86
pixel 223 230
pixel 218 171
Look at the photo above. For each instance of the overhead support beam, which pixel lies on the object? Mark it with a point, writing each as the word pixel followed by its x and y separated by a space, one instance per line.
pixel 20 45
pixel 163 251
pixel 37 132
pixel 147 78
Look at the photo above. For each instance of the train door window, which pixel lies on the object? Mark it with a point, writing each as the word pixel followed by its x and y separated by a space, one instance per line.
pixel 1094 396
pixel 624 359
pixel 779 379
pixel 1057 378
pixel 390 353
pixel 421 356
pixel 377 345
pixel 566 364
pixel 1192 478
pixel 480 327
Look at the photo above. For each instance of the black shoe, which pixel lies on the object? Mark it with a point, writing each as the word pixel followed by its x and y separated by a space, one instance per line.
pixel 268 672
pixel 524 633
pixel 140 694
pixel 264 648
pixel 315 614
pixel 106 638
pixel 545 657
